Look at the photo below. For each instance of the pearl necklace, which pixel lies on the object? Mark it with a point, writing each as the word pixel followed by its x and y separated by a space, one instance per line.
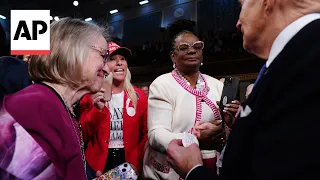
pixel 72 116
pixel 200 82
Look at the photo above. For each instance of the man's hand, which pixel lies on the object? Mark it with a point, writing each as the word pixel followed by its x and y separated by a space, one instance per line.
pixel 98 99
pixel 183 159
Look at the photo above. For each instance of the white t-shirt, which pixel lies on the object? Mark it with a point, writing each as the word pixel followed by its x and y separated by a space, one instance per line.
pixel 116 120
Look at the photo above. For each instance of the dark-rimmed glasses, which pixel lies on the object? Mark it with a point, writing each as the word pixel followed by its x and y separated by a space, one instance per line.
pixel 104 52
pixel 184 47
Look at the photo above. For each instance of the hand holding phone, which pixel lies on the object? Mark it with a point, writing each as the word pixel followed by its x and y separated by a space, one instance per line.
pixel 230 91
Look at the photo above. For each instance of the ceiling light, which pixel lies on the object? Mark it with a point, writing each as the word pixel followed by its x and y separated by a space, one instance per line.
pixel 88 19
pixel 2 17
pixel 114 11
pixel 51 18
pixel 143 2
pixel 75 3
pixel 56 18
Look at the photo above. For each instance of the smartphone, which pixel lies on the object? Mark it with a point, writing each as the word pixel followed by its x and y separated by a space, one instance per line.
pixel 121 172
pixel 107 86
pixel 230 91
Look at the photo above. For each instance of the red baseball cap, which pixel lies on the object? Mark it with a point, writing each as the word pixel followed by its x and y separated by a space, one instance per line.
pixel 116 49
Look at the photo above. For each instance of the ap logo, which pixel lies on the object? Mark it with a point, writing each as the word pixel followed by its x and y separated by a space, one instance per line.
pixel 30 32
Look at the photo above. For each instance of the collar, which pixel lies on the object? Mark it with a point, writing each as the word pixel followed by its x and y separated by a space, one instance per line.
pixel 288 33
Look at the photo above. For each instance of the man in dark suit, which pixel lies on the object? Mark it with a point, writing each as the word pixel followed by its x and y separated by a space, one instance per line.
pixel 277 134
pixel 13 75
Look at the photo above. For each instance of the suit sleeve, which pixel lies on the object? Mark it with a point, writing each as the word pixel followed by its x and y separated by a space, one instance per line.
pixel 90 118
pixel 139 150
pixel 16 79
pixel 160 117
pixel 202 173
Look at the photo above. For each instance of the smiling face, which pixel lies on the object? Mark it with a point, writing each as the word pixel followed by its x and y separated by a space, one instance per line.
pixel 118 66
pixel 184 57
pixel 94 66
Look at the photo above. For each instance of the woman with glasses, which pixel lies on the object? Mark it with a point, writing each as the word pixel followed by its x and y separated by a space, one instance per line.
pixel 40 137
pixel 115 131
pixel 184 102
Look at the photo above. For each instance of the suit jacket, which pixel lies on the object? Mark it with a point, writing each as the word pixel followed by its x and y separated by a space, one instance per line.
pixel 13 75
pixel 279 139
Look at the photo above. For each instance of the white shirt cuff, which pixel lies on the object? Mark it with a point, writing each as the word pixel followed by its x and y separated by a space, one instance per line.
pixel 192 170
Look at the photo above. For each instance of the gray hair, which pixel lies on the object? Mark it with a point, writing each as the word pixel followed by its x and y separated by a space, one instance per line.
pixel 70 41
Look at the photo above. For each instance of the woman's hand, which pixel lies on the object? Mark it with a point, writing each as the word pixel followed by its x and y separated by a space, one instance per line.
pixel 98 174
pixel 99 99
pixel 135 169
pixel 230 111
pixel 210 134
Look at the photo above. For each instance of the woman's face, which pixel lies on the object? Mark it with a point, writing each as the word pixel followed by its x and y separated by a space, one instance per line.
pixel 118 66
pixel 187 52
pixel 94 66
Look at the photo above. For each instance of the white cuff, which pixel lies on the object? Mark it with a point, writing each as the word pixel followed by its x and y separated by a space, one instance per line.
pixel 192 170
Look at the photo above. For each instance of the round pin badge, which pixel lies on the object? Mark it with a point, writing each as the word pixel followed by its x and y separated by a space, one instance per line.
pixel 131 111
pixel 188 139
pixel 225 100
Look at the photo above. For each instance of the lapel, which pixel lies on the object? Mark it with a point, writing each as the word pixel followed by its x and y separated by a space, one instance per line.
pixel 268 96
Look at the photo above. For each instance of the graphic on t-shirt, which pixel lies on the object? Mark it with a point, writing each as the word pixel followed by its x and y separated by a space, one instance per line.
pixel 116 121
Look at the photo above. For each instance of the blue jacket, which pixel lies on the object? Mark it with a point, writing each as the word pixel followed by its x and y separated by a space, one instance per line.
pixel 13 75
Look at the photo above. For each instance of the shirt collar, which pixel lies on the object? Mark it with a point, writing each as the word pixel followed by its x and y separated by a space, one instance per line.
pixel 288 33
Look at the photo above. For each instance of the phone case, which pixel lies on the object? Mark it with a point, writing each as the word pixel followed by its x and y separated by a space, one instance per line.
pixel 230 91
pixel 121 172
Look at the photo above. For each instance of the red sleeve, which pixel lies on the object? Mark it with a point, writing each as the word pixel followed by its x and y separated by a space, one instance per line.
pixel 138 153
pixel 90 118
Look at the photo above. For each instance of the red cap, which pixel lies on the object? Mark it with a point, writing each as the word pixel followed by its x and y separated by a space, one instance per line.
pixel 116 49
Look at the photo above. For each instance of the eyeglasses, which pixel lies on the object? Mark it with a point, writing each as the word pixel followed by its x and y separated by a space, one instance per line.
pixel 104 52
pixel 199 45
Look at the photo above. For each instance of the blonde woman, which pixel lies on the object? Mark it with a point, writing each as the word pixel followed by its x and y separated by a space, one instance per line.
pixel 40 137
pixel 116 132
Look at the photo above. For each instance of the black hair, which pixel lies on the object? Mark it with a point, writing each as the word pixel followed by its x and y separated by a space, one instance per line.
pixel 19 57
pixel 177 35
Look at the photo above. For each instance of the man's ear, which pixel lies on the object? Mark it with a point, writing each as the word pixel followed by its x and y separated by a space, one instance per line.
pixel 268 6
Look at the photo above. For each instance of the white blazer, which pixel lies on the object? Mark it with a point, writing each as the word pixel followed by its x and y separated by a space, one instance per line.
pixel 172 111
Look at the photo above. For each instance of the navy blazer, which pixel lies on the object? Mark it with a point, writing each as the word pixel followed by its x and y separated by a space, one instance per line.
pixel 280 138
pixel 13 75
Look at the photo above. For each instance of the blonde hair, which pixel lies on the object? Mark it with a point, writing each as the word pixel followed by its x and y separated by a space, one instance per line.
pixel 130 90
pixel 70 41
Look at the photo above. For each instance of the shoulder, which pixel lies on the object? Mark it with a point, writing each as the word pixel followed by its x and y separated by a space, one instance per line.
pixel 33 93
pixel 14 65
pixel 164 78
pixel 32 99
pixel 213 81
pixel 140 93
pixel 33 105
pixel 163 81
